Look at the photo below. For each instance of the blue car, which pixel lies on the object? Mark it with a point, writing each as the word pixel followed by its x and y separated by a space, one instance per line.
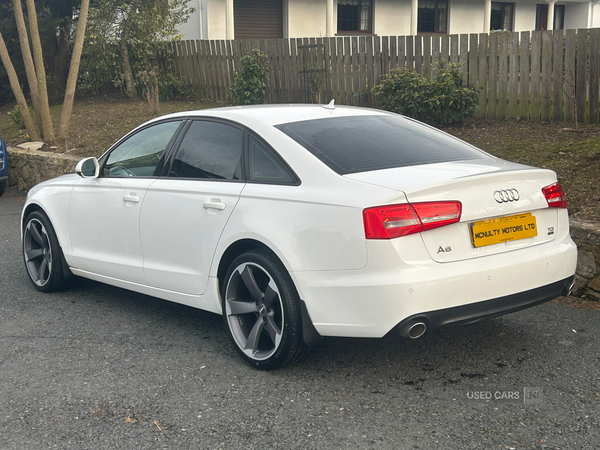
pixel 3 166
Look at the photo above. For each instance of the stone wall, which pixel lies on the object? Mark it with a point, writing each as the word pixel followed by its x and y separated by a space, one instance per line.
pixel 29 167
pixel 587 237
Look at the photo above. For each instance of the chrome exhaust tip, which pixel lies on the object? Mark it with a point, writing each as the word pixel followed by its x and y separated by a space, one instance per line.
pixel 413 330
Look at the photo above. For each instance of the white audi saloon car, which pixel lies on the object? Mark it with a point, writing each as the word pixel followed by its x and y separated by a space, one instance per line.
pixel 299 222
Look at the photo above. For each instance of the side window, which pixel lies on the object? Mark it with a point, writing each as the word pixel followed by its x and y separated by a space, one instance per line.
pixel 139 155
pixel 209 150
pixel 264 166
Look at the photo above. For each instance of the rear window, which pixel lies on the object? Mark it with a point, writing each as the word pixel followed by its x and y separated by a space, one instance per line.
pixel 365 143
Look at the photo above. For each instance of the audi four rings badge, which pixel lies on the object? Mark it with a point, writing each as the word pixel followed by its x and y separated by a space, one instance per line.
pixel 506 195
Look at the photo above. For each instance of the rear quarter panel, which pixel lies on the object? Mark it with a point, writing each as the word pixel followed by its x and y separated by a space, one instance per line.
pixel 311 226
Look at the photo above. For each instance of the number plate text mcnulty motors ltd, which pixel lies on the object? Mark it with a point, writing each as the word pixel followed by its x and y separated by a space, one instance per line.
pixel 503 229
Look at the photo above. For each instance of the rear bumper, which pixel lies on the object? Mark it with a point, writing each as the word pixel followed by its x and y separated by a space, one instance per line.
pixel 465 314
pixel 3 179
pixel 394 288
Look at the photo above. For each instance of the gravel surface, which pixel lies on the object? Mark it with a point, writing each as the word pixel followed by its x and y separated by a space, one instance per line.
pixel 97 367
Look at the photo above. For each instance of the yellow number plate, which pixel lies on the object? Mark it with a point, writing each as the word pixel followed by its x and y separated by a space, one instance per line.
pixel 503 229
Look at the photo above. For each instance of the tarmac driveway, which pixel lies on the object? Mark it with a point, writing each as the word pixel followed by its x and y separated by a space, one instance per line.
pixel 97 367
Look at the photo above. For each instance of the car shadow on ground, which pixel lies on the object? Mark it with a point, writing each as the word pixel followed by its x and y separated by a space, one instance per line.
pixel 449 355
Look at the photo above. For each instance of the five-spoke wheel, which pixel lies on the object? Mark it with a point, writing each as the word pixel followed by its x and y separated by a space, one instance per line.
pixel 37 252
pixel 261 311
pixel 42 254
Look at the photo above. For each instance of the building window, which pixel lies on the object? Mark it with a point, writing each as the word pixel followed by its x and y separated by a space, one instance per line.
pixel 502 16
pixel 559 17
pixel 541 17
pixel 433 16
pixel 355 16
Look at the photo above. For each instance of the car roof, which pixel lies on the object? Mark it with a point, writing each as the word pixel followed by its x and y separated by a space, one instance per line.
pixel 277 114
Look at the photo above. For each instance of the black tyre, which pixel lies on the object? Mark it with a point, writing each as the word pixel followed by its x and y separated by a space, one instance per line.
pixel 42 254
pixel 261 311
pixel 2 187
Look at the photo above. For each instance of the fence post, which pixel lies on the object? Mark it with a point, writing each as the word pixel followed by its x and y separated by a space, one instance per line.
pixel 513 76
pixel 557 76
pixel 569 76
pixel 362 45
pixel 370 69
pixel 410 52
pixel 503 75
pixel 418 53
pixel 483 72
pixel 536 51
pixel 546 74
pixel 473 47
pixel 524 78
pixel 580 83
pixel 427 55
pixel 493 76
pixel 594 50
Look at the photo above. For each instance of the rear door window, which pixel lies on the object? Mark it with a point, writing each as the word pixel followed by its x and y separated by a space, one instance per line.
pixel 209 150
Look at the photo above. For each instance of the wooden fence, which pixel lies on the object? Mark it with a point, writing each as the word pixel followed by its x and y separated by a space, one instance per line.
pixel 540 75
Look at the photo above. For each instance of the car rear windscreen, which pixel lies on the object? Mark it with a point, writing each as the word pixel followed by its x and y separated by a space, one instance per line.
pixel 365 143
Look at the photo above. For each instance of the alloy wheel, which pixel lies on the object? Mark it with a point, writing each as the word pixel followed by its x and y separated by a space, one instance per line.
pixel 254 310
pixel 38 252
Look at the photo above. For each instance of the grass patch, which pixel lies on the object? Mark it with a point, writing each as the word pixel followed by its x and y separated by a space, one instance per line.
pixel 575 156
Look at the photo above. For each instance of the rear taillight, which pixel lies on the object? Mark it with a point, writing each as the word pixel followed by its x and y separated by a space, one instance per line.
pixel 392 221
pixel 555 196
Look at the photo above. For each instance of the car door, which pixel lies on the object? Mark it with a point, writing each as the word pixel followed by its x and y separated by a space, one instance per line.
pixel 184 212
pixel 104 212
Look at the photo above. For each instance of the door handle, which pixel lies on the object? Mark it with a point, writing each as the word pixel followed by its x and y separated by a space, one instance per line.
pixel 214 204
pixel 131 198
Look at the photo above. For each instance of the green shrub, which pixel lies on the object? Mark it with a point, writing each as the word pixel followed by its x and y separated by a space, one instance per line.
pixel 250 81
pixel 16 117
pixel 440 101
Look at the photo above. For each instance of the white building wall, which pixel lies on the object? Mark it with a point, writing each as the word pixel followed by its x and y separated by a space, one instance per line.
pixel 307 18
pixel 576 15
pixel 525 15
pixel 217 19
pixel 465 16
pixel 595 15
pixel 192 28
pixel 391 17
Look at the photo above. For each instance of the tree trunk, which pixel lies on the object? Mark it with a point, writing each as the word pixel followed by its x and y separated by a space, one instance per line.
pixel 16 88
pixel 47 128
pixel 61 58
pixel 27 58
pixel 129 82
pixel 65 118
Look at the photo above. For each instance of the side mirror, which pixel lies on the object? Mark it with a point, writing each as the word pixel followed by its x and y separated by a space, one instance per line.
pixel 88 168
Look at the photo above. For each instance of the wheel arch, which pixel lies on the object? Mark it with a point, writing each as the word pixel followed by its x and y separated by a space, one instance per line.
pixel 31 207
pixel 234 250
pixel 28 210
